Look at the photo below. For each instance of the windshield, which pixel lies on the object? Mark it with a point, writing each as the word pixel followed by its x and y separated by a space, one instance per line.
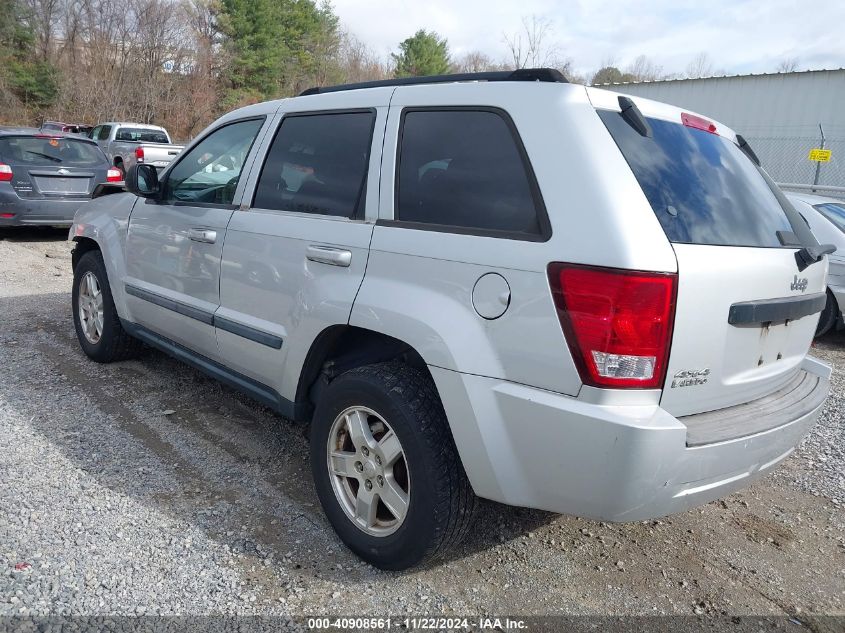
pixel 702 187
pixel 35 151
pixel 834 212
pixel 140 135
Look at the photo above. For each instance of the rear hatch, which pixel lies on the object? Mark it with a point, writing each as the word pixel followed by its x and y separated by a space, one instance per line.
pixel 745 314
pixel 53 167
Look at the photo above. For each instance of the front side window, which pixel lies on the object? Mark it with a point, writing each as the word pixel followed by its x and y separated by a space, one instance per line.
pixel 209 172
pixel 317 164
pixel 104 133
pixel 465 168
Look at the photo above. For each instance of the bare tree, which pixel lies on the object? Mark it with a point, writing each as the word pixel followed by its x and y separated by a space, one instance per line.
pixel 529 47
pixel 700 66
pixel 476 62
pixel 358 62
pixel 788 65
pixel 643 69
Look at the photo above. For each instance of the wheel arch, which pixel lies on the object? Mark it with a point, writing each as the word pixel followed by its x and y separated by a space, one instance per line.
pixel 339 348
pixel 82 245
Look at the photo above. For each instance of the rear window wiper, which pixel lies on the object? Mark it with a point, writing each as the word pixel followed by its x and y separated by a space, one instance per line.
pixel 47 156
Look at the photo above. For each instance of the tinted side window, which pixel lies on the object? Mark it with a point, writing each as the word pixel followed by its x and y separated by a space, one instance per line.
pixel 464 168
pixel 104 133
pixel 209 172
pixel 317 164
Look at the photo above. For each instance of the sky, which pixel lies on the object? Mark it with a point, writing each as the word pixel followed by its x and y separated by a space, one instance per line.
pixel 739 36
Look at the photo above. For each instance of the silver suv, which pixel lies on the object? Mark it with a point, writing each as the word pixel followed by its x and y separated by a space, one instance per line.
pixel 497 285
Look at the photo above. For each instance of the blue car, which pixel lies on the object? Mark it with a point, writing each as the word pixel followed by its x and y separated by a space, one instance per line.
pixel 45 176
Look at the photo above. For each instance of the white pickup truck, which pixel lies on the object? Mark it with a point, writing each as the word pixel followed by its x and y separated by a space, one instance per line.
pixel 128 143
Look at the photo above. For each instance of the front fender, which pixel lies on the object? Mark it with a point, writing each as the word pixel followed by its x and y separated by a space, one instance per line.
pixel 105 220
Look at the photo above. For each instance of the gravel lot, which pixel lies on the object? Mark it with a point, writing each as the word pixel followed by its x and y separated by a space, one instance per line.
pixel 146 488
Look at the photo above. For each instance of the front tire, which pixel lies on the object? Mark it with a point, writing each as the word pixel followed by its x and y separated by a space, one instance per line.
pixel 827 319
pixel 386 468
pixel 98 327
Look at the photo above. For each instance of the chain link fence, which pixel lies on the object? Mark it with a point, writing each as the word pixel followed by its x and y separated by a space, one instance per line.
pixel 786 160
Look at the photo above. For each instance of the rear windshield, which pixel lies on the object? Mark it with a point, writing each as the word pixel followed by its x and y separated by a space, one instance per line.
pixel 702 187
pixel 835 212
pixel 36 151
pixel 140 135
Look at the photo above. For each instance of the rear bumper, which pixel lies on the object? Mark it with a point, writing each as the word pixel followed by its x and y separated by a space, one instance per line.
pixel 528 447
pixel 41 211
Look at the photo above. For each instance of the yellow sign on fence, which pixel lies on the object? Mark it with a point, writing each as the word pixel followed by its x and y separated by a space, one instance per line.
pixel 820 155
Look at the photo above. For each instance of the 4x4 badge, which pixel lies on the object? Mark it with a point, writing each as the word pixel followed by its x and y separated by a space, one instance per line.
pixel 799 284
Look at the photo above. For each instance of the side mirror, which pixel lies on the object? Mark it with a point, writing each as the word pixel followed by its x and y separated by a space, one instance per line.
pixel 142 180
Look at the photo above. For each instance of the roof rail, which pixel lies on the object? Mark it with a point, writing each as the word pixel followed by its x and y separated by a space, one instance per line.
pixel 523 74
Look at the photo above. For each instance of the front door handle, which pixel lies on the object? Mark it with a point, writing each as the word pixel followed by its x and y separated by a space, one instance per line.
pixel 207 236
pixel 329 255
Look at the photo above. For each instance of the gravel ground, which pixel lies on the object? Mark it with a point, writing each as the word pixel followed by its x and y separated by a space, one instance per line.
pixel 144 487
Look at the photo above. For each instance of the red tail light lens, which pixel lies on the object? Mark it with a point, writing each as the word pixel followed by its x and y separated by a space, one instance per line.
pixel 699 123
pixel 5 173
pixel 618 323
pixel 139 154
pixel 114 175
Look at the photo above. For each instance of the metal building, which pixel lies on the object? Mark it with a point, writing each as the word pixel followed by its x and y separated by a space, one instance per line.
pixel 779 114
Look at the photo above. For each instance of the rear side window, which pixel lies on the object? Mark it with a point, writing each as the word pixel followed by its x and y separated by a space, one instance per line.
pixel 140 135
pixel 33 151
pixel 834 212
pixel 702 188
pixel 104 133
pixel 317 164
pixel 466 168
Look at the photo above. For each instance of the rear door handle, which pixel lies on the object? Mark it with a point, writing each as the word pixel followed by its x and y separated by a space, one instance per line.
pixel 206 236
pixel 329 255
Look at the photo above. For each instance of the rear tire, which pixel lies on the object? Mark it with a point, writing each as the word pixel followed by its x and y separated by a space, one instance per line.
pixel 98 327
pixel 400 413
pixel 828 316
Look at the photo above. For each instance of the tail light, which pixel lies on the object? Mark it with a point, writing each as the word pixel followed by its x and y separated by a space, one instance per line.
pixel 114 175
pixel 139 154
pixel 618 323
pixel 5 173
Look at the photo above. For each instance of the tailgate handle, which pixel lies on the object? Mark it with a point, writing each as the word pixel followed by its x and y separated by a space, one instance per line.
pixel 329 255
pixel 207 236
pixel 776 310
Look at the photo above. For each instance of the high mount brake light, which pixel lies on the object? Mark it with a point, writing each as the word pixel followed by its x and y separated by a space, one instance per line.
pixel 618 323
pixel 699 123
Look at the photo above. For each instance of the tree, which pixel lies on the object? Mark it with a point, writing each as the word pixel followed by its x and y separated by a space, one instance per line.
pixel 700 66
pixel 275 47
pixel 358 63
pixel 475 62
pixel 610 75
pixel 643 69
pixel 425 53
pixel 28 77
pixel 530 48
pixel 788 65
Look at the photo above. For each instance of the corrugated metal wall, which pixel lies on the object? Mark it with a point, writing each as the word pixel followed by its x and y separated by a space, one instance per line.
pixel 779 114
